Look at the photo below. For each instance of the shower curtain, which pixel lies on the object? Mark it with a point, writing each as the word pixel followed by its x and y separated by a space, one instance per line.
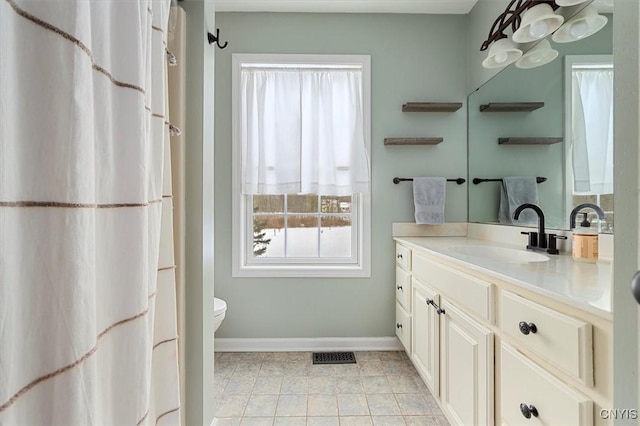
pixel 87 297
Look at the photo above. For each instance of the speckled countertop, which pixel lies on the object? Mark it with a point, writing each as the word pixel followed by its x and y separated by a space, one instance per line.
pixel 585 286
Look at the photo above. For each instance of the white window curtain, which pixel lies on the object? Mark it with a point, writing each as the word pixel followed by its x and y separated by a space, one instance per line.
pixel 303 132
pixel 592 127
pixel 87 296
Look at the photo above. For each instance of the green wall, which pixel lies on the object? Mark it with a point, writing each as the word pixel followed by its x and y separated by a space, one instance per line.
pixel 414 58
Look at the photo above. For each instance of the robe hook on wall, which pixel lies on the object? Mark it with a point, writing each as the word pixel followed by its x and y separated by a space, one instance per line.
pixel 216 39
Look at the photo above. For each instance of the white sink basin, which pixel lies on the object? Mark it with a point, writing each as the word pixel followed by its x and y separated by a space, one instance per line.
pixel 501 254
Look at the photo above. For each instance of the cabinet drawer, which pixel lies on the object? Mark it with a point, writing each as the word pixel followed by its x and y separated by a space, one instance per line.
pixel 524 382
pixel 403 288
pixel 563 341
pixel 465 290
pixel 403 257
pixel 403 328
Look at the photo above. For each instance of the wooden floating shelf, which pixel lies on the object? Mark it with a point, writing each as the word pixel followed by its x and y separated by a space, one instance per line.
pixel 431 106
pixel 412 141
pixel 528 141
pixel 511 106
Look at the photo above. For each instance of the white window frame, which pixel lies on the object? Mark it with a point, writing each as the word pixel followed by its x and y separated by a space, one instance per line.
pixel 243 263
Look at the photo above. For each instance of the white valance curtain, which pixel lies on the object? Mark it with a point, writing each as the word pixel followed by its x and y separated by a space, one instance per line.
pixel 87 297
pixel 592 127
pixel 303 132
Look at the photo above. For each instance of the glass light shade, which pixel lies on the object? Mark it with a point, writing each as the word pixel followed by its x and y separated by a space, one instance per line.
pixel 537 23
pixel 539 55
pixel 502 53
pixel 570 2
pixel 582 25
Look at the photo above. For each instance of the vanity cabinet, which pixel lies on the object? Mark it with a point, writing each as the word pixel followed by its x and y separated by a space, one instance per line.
pixel 403 296
pixel 452 351
pixel 493 352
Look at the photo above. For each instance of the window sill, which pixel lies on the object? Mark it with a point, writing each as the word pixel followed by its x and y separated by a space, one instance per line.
pixel 306 271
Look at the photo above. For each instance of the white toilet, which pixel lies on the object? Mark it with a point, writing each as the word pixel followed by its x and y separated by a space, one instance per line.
pixel 219 312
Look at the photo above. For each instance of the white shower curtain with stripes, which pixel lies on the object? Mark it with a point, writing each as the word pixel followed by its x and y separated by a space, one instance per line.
pixel 87 297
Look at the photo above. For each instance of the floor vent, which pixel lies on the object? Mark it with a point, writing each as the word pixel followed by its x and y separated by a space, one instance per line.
pixel 334 358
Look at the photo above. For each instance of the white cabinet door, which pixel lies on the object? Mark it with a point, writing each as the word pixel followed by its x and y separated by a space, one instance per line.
pixel 426 336
pixel 466 368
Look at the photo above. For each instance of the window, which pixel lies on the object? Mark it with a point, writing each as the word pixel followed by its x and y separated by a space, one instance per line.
pixel 301 204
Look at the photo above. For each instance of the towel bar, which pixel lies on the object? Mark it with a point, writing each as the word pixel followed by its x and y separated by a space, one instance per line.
pixel 397 180
pixel 478 180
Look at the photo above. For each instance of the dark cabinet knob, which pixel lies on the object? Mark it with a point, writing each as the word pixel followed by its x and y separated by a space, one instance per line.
pixel 528 410
pixel 398 256
pixel 398 325
pixel 526 328
pixel 399 287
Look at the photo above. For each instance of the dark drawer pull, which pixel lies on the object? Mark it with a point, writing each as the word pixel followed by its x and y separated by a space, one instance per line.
pixel 528 410
pixel 526 328
pixel 399 287
pixel 398 256
pixel 398 325
pixel 439 310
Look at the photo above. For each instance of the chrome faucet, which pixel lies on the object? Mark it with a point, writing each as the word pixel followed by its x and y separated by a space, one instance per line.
pixel 536 240
pixel 576 210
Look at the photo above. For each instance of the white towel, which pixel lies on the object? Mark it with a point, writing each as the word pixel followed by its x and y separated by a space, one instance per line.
pixel 428 198
pixel 518 190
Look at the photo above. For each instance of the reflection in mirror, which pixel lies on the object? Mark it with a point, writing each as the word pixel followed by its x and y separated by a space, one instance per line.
pixel 589 130
pixel 488 159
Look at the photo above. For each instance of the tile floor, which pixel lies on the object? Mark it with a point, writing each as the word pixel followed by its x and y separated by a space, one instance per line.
pixel 285 388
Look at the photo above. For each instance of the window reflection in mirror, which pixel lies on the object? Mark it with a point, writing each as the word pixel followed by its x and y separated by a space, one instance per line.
pixel 589 134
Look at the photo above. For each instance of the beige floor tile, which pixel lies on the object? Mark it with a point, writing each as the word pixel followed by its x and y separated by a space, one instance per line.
pixel 349 385
pixel 347 370
pixel 295 385
pixel 290 421
pixel 403 384
pixel 232 406
pixel 267 386
pixel 271 369
pixel 413 404
pixel 291 406
pixel 376 384
pixel 322 385
pixel 321 370
pixel 352 405
pixel 322 405
pixel 421 420
pixel 256 421
pixel 383 405
pixel 227 422
pixel 355 421
pixel 297 368
pixel 261 406
pixel 246 369
pixel 239 386
pixel 323 421
pixel 371 368
pixel 388 421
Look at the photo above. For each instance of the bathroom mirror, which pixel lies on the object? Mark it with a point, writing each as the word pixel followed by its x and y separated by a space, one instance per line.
pixel 538 114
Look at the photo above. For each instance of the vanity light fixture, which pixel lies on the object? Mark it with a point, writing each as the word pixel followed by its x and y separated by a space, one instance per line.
pixel 537 23
pixel 502 53
pixel 532 21
pixel 540 54
pixel 582 25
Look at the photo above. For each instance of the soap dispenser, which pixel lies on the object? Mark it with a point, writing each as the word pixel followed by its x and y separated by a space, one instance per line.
pixel 585 242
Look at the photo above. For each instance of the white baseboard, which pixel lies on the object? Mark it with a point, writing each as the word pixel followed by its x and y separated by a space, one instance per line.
pixel 309 344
